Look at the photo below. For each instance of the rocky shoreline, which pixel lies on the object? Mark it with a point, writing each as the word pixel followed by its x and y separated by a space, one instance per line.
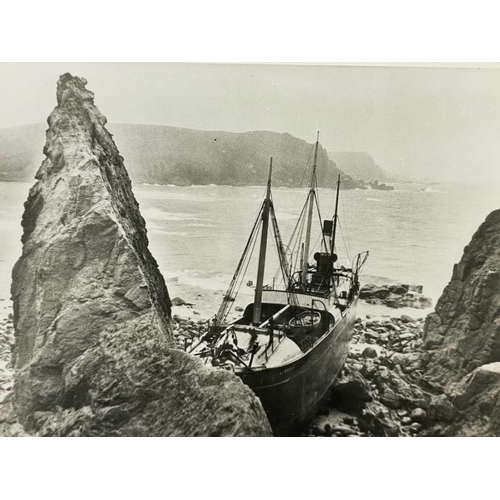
pixel 377 393
pixel 382 391
pixel 395 296
pixel 385 357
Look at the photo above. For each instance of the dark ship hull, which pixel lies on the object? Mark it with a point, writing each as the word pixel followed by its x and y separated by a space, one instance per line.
pixel 291 393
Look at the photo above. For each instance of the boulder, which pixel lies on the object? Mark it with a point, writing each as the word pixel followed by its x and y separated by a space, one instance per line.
pixel 406 319
pixel 351 392
pixel 94 349
pixel 390 399
pixel 473 408
pixel 441 409
pixel 369 369
pixel 418 415
pixel 398 289
pixel 376 419
pixel 381 292
pixel 369 352
pixel 424 303
pixel 177 301
pixel 415 427
pixel 366 291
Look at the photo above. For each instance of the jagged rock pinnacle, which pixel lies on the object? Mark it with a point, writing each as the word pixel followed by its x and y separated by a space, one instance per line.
pixel 91 310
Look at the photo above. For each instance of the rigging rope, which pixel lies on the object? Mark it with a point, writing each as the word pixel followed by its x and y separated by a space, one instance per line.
pixel 291 298
pixel 246 268
pixel 320 221
pixel 344 241
pixel 225 307
pixel 344 218
pixel 300 187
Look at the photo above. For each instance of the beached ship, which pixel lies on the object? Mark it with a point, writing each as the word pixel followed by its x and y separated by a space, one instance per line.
pixel 291 342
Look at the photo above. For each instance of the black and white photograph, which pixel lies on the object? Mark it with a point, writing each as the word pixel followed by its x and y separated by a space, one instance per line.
pixel 249 250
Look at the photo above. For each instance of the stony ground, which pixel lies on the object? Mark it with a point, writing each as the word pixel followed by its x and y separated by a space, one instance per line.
pixel 6 343
pixel 187 331
pixel 8 422
pixel 377 394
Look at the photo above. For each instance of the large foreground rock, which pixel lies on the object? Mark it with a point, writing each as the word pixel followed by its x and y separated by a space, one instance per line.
pixel 464 332
pixel 94 346
pixel 462 339
pixel 474 405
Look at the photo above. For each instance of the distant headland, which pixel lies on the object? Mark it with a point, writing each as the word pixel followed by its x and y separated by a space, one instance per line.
pixel 159 154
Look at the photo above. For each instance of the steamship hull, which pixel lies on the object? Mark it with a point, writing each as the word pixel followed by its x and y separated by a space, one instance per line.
pixel 290 393
pixel 292 341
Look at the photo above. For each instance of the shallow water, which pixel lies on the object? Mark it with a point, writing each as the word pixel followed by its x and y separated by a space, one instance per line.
pixel 197 234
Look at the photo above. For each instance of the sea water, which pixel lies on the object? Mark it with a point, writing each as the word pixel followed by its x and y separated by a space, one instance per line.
pixel 414 234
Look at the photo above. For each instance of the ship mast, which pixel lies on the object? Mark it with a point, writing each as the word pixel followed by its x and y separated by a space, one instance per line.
pixel 257 308
pixel 312 195
pixel 335 216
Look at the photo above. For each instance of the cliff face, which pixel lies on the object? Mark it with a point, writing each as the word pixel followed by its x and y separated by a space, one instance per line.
pixel 170 155
pixel 91 310
pixel 463 337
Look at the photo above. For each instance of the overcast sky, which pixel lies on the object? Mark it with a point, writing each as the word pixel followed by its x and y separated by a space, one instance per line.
pixel 422 122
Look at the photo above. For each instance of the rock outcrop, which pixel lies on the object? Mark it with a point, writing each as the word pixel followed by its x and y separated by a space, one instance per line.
pixel 380 186
pixel 462 339
pixel 94 350
pixel 395 296
pixel 476 404
pixel 464 331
